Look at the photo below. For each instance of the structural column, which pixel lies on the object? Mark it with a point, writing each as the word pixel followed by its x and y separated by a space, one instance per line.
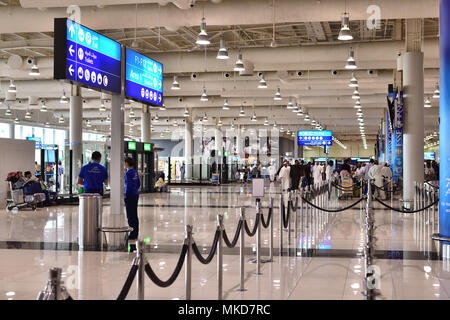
pixel 295 153
pixel 11 131
pixel 76 131
pixel 117 154
pixel 413 110
pixel 188 146
pixel 145 124
pixel 444 115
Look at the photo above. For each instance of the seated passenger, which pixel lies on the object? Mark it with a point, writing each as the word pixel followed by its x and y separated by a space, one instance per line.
pixel 161 185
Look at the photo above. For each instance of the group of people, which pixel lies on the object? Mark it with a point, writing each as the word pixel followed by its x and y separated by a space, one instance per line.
pixel 300 174
pixel 93 175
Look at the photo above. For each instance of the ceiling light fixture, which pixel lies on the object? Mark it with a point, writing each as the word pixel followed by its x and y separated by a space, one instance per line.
pixel 12 87
pixel 64 99
pixel 262 83
pixel 204 96
pixel 61 120
pixel 266 122
pixel 351 64
pixel 355 95
pixel 186 113
pixel 202 38
pixel 8 112
pixel 277 95
pixel 28 114
pixel 436 93
pixel 44 107
pixel 353 82
pixel 102 107
pixel 427 103
pixel 223 53
pixel 345 33
pixel 175 84
pixel 241 112
pixel 225 105
pixel 239 65
pixel 34 70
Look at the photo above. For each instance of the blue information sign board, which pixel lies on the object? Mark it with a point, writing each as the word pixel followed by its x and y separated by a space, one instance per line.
pixel 87 57
pixel 143 78
pixel 315 138
pixel 37 142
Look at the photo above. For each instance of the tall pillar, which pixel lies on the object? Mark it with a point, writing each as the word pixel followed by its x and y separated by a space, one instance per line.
pixel 188 146
pixel 239 142
pixel 295 153
pixel 145 124
pixel 117 154
pixel 444 115
pixel 300 151
pixel 76 130
pixel 11 131
pixel 413 87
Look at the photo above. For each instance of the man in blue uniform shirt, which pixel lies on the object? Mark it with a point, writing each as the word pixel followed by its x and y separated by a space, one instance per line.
pixel 132 185
pixel 93 175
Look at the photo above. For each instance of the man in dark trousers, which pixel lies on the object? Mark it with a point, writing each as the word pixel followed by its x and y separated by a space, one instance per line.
pixel 295 175
pixel 132 184
pixel 93 175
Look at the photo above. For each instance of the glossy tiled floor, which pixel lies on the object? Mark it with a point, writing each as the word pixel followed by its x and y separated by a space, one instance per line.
pixel 328 267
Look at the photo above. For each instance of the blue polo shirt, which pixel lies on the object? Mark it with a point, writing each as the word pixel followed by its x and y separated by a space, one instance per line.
pixel 132 182
pixel 93 174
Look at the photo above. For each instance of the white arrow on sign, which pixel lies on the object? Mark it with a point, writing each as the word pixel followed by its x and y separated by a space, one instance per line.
pixel 71 51
pixel 71 70
pixel 71 30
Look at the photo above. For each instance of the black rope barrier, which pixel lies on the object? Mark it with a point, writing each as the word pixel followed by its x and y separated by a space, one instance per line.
pixel 407 211
pixel 430 184
pixel 381 188
pixel 333 210
pixel 265 224
pixel 255 227
pixel 347 187
pixel 210 256
pixel 232 244
pixel 152 275
pixel 288 214
pixel 130 278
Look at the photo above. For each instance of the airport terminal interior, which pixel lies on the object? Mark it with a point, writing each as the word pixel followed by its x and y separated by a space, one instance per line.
pixel 224 150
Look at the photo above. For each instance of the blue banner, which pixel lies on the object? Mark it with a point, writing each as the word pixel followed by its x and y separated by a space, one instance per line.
pixel 397 140
pixel 388 143
pixel 444 115
pixel 315 138
pixel 143 78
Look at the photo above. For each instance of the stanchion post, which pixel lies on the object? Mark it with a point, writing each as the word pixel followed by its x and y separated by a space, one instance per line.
pixel 281 225
pixel 140 273
pixel 271 233
pixel 258 237
pixel 295 217
pixel 220 258
pixel 242 252
pixel 188 266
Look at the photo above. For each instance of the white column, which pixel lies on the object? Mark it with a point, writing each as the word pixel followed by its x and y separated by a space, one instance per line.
pixel 295 153
pixel 76 130
pixel 413 122
pixel 239 142
pixel 117 154
pixel 145 124
pixel 11 131
pixel 188 146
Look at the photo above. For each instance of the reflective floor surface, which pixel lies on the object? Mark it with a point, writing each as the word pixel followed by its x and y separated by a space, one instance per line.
pixel 322 259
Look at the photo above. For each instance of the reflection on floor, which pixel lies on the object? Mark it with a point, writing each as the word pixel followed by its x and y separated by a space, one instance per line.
pixel 326 265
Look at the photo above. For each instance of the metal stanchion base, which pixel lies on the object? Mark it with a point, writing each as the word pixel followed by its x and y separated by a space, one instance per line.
pixel 371 293
pixel 253 260
pixel 240 290
pixel 436 236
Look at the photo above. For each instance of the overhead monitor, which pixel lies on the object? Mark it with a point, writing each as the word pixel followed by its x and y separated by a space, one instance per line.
pixel 143 78
pixel 315 138
pixel 131 145
pixel 147 147
pixel 429 156
pixel 86 57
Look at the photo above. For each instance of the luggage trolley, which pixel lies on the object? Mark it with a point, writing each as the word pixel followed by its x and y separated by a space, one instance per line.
pixel 347 187
pixel 25 197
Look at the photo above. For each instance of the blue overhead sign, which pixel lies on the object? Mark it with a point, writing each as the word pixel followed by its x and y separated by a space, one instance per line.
pixel 87 57
pixel 37 142
pixel 143 78
pixel 315 138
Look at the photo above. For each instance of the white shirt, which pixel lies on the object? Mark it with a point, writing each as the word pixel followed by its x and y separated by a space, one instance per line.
pixel 329 172
pixel 386 172
pixel 375 173
pixel 366 170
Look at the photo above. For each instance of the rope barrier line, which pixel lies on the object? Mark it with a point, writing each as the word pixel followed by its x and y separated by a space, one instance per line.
pixel 233 243
pixel 266 224
pixel 430 184
pixel 255 227
pixel 288 213
pixel 333 210
pixel 151 274
pixel 407 211
pixel 128 282
pixel 210 256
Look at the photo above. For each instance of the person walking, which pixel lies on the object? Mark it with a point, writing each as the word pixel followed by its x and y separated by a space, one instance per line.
pixel 132 185
pixel 295 175
pixel 93 175
pixel 284 175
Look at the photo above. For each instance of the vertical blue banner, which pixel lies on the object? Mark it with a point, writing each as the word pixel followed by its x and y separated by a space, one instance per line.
pixel 397 140
pixel 444 115
pixel 388 136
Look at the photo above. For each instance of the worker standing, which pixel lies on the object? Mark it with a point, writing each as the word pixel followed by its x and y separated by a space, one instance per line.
pixel 132 185
pixel 93 175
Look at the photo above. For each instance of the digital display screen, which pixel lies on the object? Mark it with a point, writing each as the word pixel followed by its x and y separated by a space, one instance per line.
pixel 147 147
pixel 315 138
pixel 131 145
pixel 143 78
pixel 87 57
pixel 37 142
pixel 429 156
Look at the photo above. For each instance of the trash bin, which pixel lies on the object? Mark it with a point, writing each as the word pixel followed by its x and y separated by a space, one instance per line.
pixel 89 221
